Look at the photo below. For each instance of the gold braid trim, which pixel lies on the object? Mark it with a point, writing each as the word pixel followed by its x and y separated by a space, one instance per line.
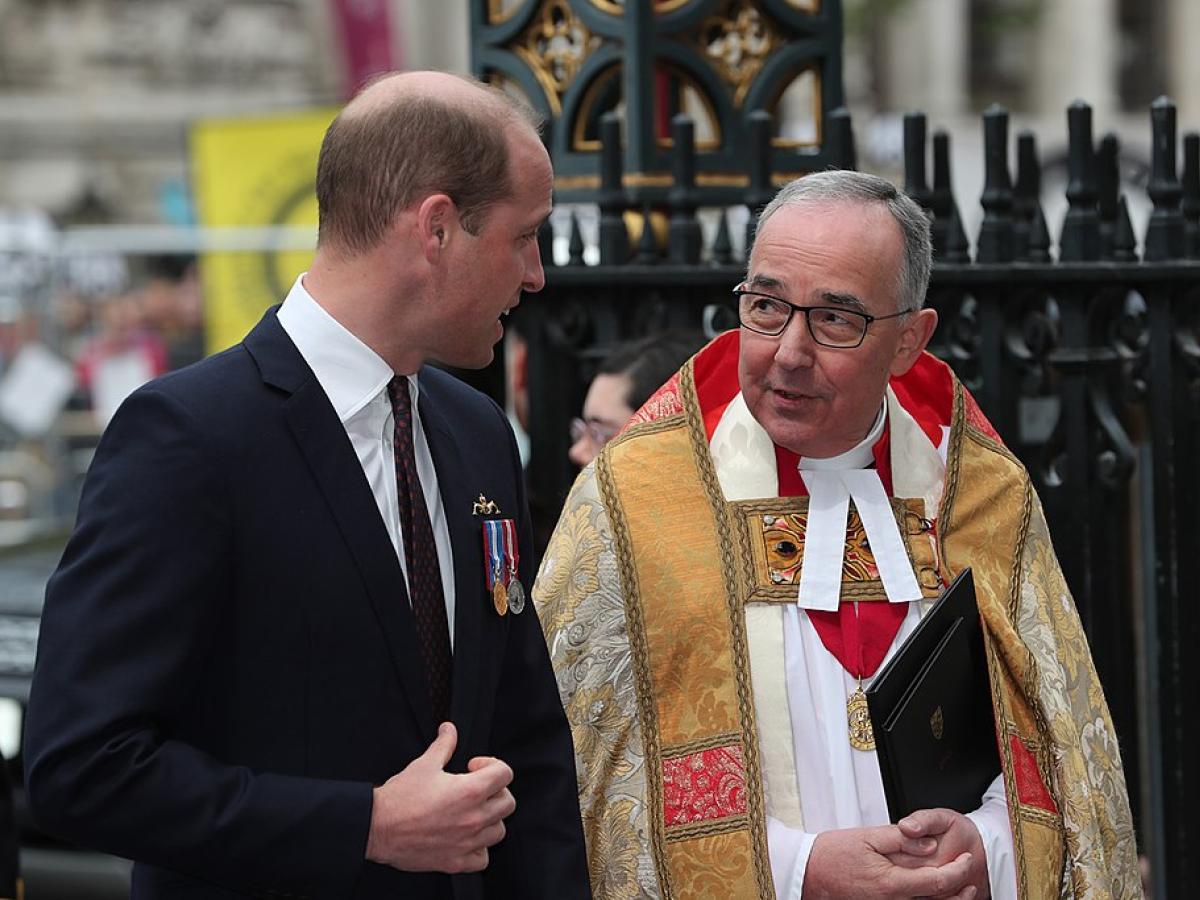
pixel 1040 752
pixel 699 745
pixel 707 829
pixel 1012 795
pixel 1041 817
pixel 667 423
pixel 731 849
pixel 641 664
pixel 755 801
pixel 980 470
pixel 996 670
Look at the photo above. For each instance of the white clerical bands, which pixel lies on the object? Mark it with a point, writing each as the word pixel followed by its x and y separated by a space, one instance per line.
pixel 830 492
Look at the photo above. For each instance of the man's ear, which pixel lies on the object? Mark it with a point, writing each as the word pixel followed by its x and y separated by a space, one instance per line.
pixel 437 217
pixel 914 336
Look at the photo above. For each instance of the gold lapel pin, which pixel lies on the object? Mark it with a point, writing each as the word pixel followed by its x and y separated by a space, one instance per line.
pixel 484 507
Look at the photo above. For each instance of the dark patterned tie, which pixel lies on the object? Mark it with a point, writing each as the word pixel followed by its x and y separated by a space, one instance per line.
pixel 420 554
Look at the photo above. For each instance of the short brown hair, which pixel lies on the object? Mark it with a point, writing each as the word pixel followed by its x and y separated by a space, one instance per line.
pixel 376 162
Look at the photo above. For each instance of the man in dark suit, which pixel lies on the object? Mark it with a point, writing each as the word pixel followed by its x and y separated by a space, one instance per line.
pixel 275 658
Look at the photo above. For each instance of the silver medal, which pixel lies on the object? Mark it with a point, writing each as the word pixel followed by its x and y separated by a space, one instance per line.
pixel 516 597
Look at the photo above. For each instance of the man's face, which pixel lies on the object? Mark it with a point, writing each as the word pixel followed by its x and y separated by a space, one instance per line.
pixel 813 400
pixel 488 271
pixel 605 412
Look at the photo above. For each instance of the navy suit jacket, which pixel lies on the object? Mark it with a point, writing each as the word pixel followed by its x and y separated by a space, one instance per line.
pixel 228 662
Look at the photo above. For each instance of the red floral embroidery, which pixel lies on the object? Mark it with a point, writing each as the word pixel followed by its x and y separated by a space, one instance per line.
pixel 1031 790
pixel 704 786
pixel 662 403
pixel 977 419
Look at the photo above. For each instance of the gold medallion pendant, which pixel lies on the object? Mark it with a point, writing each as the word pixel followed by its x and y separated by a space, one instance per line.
pixel 862 736
pixel 500 598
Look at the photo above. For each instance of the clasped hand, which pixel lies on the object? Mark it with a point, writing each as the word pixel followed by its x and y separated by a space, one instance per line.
pixel 425 819
pixel 930 853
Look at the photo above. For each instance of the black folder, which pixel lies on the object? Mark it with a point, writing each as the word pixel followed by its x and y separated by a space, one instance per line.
pixel 931 709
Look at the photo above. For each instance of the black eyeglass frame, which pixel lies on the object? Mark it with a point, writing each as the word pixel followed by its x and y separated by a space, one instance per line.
pixel 867 318
pixel 598 434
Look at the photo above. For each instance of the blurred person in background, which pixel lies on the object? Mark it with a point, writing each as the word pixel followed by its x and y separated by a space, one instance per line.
pixel 121 357
pixel 626 379
pixel 72 315
pixel 16 328
pixel 173 306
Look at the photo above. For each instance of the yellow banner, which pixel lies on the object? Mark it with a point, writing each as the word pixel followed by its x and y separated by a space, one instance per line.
pixel 255 174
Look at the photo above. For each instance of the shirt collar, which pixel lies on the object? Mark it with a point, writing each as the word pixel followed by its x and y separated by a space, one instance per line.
pixel 350 372
pixel 860 456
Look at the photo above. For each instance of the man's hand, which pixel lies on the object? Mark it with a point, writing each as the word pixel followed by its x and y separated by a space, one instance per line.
pixel 428 820
pixel 936 836
pixel 853 863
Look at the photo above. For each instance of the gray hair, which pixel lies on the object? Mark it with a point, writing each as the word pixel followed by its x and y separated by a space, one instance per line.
pixel 842 186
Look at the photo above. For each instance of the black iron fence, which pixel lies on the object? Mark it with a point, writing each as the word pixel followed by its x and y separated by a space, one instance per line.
pixel 1087 362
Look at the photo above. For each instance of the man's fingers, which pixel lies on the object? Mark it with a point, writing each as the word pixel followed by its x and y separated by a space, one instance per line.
pixel 442 748
pixel 500 805
pixel 427 819
pixel 934 881
pixel 480 762
pixel 487 836
pixel 953 876
pixel 920 847
pixel 908 860
pixel 489 779
pixel 884 839
pixel 492 835
pixel 926 822
pixel 913 852
pixel 475 861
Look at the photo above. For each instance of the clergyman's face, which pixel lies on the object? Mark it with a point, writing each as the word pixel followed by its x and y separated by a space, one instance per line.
pixel 490 269
pixel 821 401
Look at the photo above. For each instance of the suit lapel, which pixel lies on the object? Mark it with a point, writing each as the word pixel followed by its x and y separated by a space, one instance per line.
pixel 330 456
pixel 466 543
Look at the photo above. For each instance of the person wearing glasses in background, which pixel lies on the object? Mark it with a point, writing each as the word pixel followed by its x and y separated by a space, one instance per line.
pixel 626 379
pixel 705 600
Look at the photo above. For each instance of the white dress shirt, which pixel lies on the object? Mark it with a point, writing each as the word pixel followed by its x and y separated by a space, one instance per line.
pixel 355 379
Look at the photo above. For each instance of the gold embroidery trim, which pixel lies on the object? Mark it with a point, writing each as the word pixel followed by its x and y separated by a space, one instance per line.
pixel 770 536
pixel 695 830
pixel 713 742
pixel 650 571
pixel 946 522
pixel 641 665
pixel 666 423
pixel 755 801
pixel 1006 691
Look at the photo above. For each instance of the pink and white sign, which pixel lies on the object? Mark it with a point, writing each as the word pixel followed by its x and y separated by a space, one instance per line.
pixel 365 28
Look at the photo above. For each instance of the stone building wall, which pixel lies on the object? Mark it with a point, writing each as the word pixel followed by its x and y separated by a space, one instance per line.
pixel 96 95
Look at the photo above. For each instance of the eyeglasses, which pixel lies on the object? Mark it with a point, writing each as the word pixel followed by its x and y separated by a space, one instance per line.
pixel 830 326
pixel 599 434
